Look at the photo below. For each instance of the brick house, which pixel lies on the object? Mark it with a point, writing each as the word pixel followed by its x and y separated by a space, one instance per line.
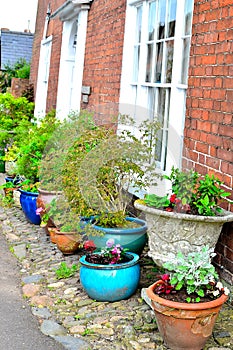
pixel 168 58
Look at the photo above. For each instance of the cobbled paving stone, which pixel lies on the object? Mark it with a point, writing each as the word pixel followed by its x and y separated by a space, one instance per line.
pixel 70 316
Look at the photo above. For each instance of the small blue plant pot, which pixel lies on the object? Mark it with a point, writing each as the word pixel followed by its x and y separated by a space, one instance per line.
pixel 28 204
pixel 110 282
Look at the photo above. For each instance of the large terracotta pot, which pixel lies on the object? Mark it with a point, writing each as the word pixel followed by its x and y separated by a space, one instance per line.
pixel 170 232
pixel 67 242
pixel 110 282
pixel 184 326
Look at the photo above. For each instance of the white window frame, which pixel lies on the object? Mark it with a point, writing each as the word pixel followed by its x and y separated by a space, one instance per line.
pixel 43 77
pixel 138 102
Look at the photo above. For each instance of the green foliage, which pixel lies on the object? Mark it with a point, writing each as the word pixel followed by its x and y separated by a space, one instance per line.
pixel 183 184
pixel 29 186
pixel 20 69
pixel 191 193
pixel 65 271
pixel 208 194
pixel 24 72
pixel 94 166
pixel 153 200
pixel 193 272
pixel 31 148
pixel 16 115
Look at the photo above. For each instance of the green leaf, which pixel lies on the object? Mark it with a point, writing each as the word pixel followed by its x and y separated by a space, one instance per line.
pixel 200 292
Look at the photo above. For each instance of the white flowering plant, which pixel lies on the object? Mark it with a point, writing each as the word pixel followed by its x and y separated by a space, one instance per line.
pixel 193 274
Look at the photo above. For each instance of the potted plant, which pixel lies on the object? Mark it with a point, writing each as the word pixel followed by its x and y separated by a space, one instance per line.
pixel 186 300
pixel 28 197
pixel 110 274
pixel 97 167
pixel 187 218
pixel 62 224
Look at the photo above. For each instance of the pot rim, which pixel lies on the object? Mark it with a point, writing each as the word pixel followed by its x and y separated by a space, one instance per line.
pixel 130 263
pixel 41 191
pixel 29 193
pixel 58 232
pixel 140 229
pixel 185 306
pixel 226 217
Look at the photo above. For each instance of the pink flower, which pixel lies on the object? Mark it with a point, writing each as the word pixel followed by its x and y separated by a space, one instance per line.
pixel 110 242
pixel 39 210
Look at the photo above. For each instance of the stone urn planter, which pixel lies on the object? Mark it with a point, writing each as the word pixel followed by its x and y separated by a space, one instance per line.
pixel 184 325
pixel 170 232
pixel 110 282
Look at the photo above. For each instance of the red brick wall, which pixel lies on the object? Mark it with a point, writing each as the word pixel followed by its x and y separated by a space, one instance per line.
pixel 54 29
pixel 104 48
pixel 208 141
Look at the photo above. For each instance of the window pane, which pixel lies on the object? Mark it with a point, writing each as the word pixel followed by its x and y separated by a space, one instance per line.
pixel 169 60
pixel 171 18
pixel 159 61
pixel 188 17
pixel 136 62
pixel 161 19
pixel 185 61
pixel 139 24
pixel 161 105
pixel 149 62
pixel 151 23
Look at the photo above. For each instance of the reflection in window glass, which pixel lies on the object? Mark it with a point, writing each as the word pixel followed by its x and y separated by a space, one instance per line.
pixel 136 62
pixel 169 60
pixel 137 43
pixel 188 17
pixel 139 24
pixel 171 18
pixel 185 61
pixel 161 21
pixel 159 62
pixel 151 23
pixel 149 62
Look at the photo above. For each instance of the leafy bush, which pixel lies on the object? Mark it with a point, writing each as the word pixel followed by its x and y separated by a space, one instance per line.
pixel 20 69
pixel 16 115
pixel 31 148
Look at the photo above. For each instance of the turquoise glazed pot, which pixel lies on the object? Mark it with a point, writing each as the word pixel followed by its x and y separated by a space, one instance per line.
pixel 28 204
pixel 110 282
pixel 134 239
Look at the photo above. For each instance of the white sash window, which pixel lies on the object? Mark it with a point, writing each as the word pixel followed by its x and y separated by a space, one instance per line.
pixel 155 69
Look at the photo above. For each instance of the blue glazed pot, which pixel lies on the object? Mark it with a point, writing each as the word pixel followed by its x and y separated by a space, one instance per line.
pixel 28 204
pixel 133 239
pixel 110 282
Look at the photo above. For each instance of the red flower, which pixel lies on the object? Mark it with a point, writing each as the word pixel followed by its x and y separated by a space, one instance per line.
pixel 173 198
pixel 89 245
pixel 165 277
pixel 169 209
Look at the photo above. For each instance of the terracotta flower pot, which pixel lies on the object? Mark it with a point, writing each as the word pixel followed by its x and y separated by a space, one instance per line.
pixel 184 326
pixel 67 242
pixel 52 234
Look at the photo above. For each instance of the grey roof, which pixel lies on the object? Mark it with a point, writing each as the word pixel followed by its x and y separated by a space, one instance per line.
pixel 15 45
